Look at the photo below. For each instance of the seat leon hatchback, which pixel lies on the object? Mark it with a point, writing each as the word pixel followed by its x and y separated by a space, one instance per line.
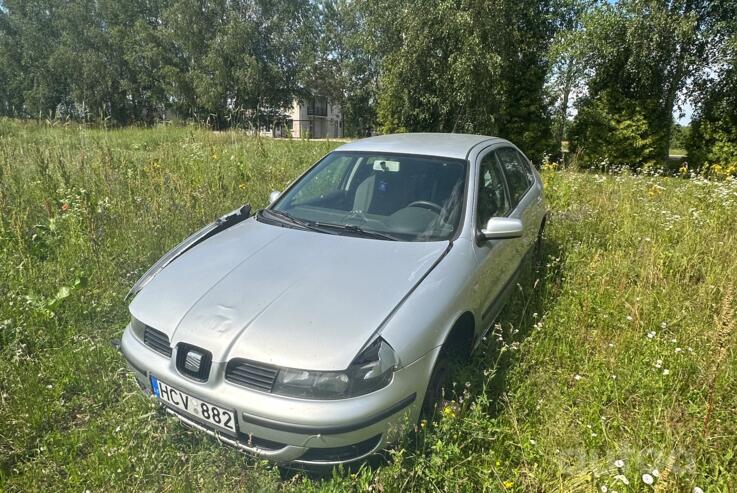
pixel 319 329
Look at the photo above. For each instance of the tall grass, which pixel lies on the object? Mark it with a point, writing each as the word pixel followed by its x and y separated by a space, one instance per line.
pixel 621 347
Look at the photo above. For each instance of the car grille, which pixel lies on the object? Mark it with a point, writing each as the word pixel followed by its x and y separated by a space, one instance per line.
pixel 157 340
pixel 344 453
pixel 202 371
pixel 249 374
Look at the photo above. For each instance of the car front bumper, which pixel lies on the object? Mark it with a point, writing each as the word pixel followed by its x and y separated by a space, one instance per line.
pixel 290 430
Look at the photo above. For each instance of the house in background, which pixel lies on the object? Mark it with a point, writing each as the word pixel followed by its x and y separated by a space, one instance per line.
pixel 314 118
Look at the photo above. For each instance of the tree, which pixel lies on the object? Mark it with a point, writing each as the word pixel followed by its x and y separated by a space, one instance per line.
pixel 679 136
pixel 461 66
pixel 642 54
pixel 345 63
pixel 713 136
pixel 568 71
pixel 234 62
pixel 224 61
pixel 29 36
pixel 612 131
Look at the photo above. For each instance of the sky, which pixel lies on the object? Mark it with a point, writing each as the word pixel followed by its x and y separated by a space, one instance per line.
pixel 687 114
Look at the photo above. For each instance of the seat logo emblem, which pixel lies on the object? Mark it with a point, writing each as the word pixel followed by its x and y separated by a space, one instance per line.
pixel 192 361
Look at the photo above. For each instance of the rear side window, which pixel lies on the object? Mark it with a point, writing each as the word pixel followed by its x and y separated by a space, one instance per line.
pixel 518 173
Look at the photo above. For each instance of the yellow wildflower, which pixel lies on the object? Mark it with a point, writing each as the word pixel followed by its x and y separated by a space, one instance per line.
pixel 448 412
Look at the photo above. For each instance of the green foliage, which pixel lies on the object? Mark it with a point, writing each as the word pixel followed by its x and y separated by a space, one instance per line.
pixel 515 69
pixel 605 136
pixel 621 347
pixel 713 138
pixel 642 54
pixel 680 136
pixel 226 63
pixel 567 75
pixel 345 62
pixel 468 67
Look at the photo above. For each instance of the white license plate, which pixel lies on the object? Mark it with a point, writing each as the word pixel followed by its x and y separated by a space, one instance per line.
pixel 222 419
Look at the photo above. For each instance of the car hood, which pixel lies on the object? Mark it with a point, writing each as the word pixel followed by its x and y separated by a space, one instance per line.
pixel 283 296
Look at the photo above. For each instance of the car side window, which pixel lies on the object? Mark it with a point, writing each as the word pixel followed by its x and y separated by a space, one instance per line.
pixel 492 196
pixel 517 171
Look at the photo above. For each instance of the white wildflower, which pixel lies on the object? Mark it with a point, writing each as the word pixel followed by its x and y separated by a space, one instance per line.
pixel 651 334
pixel 619 463
pixel 696 489
pixel 647 479
pixel 666 371
pixel 577 377
pixel 656 473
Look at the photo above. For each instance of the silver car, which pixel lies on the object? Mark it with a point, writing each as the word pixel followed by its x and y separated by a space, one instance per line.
pixel 318 330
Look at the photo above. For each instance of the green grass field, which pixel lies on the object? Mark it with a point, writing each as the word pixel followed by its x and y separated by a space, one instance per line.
pixel 677 152
pixel 621 348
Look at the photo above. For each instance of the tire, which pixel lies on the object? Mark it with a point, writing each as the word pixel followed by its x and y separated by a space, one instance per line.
pixel 438 382
pixel 538 250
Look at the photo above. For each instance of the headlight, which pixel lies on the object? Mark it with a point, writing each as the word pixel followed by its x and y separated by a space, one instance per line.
pixel 370 371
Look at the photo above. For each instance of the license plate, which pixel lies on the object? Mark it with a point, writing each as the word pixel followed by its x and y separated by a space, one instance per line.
pixel 222 419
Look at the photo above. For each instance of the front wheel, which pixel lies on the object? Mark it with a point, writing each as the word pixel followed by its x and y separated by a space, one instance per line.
pixel 538 250
pixel 436 387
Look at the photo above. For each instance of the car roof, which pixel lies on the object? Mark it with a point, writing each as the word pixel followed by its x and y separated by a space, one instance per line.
pixel 426 144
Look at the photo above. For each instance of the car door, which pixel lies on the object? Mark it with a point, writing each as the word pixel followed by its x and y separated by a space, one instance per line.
pixel 495 257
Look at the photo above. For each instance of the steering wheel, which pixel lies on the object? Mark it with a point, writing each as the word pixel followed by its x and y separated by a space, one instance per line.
pixel 427 205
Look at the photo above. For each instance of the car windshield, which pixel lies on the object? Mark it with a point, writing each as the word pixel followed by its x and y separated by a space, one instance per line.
pixel 387 196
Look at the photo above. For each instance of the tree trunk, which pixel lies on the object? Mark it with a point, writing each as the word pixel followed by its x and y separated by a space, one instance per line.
pixel 566 95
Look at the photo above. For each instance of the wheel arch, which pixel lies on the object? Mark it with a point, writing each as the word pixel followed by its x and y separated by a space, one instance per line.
pixel 459 339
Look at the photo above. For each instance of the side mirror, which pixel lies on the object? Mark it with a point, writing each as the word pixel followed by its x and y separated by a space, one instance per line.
pixel 273 196
pixel 502 228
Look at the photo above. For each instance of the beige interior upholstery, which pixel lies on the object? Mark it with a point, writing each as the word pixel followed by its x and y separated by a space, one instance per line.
pixel 364 194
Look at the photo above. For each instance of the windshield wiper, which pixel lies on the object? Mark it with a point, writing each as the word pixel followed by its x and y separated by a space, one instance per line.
pixel 288 218
pixel 328 228
pixel 351 228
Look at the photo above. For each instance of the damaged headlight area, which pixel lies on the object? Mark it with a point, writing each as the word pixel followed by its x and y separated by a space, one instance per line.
pixel 371 370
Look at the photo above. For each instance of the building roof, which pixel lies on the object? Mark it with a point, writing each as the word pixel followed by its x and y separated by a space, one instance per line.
pixel 428 144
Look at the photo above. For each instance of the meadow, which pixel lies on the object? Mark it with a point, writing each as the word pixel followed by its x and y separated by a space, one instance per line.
pixel 614 368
